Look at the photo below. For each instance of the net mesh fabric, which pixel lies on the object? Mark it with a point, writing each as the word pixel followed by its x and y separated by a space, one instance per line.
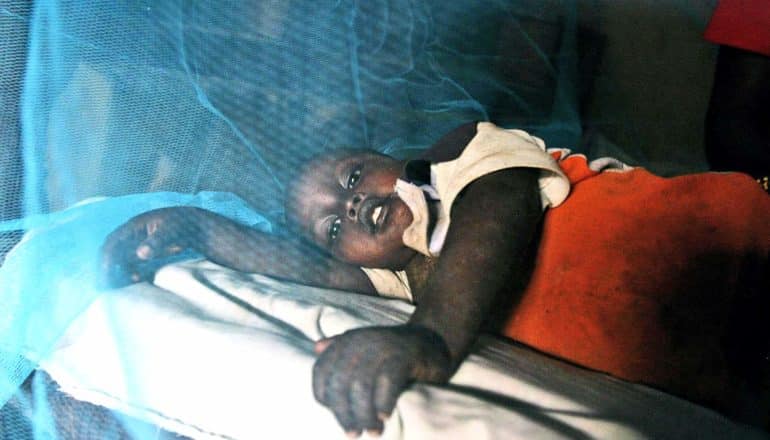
pixel 112 108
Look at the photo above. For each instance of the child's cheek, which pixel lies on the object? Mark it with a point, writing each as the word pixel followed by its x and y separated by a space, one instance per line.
pixel 353 249
pixel 402 218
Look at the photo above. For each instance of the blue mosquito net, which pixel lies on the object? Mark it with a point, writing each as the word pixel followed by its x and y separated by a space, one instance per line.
pixel 113 108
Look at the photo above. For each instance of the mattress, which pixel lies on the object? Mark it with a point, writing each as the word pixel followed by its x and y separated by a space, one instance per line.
pixel 212 353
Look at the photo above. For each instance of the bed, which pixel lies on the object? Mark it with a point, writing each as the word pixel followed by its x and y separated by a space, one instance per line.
pixel 207 352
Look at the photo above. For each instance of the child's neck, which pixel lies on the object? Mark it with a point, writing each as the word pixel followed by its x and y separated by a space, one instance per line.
pixel 418 272
pixel 421 267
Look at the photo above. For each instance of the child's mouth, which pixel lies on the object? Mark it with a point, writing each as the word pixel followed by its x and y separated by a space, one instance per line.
pixel 379 215
pixel 374 213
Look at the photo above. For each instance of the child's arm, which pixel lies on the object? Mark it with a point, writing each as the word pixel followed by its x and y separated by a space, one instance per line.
pixel 360 374
pixel 164 232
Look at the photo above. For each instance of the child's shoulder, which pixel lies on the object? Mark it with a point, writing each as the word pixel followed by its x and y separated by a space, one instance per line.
pixel 451 145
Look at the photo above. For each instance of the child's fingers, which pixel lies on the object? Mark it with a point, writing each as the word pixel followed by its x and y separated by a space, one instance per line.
pixel 158 246
pixel 323 371
pixel 388 385
pixel 145 251
pixel 118 259
pixel 322 345
pixel 360 402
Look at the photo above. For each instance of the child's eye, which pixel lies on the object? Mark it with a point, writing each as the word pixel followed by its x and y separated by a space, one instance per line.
pixel 334 229
pixel 353 178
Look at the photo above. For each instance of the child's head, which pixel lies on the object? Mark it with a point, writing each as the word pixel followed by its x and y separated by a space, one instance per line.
pixel 346 203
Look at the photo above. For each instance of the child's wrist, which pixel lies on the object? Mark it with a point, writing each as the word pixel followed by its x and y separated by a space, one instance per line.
pixel 199 223
pixel 433 337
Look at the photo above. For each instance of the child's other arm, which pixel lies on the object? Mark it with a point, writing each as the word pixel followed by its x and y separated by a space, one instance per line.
pixel 168 231
pixel 485 252
pixel 360 374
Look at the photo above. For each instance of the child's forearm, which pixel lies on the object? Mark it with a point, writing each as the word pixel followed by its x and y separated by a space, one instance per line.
pixel 486 249
pixel 242 248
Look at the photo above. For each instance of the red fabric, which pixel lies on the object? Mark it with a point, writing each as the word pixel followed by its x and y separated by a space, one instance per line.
pixel 574 166
pixel 635 275
pixel 744 24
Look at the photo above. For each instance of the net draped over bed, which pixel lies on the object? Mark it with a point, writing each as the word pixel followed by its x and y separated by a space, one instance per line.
pixel 112 108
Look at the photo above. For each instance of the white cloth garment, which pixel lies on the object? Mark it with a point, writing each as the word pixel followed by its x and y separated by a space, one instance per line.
pixel 491 149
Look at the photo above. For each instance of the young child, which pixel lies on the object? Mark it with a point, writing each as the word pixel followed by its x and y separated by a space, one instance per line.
pixel 654 280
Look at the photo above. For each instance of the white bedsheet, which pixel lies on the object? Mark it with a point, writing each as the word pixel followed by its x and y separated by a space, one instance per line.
pixel 229 355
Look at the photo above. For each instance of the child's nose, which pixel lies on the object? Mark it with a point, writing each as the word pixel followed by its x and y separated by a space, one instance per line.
pixel 354 204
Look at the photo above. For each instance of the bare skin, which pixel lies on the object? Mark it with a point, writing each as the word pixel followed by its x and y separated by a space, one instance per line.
pixel 346 205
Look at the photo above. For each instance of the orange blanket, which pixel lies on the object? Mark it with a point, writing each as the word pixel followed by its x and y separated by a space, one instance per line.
pixel 638 275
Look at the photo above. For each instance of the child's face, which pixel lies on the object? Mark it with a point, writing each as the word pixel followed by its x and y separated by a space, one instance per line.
pixel 347 205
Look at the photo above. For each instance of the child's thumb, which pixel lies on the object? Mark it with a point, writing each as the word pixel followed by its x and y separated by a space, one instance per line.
pixel 322 345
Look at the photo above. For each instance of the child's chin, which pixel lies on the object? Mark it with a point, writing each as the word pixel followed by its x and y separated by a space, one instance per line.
pixel 399 218
pixel 396 259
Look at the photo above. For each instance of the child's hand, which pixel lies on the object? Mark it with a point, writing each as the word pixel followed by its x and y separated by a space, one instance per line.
pixel 152 235
pixel 360 374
